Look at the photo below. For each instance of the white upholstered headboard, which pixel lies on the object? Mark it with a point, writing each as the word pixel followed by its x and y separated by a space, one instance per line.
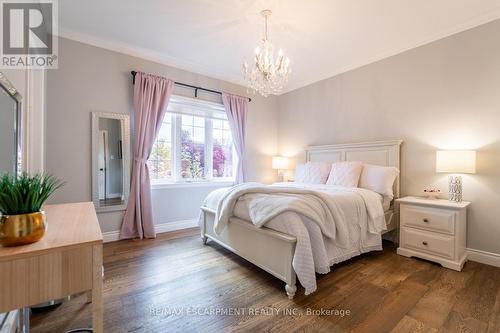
pixel 384 153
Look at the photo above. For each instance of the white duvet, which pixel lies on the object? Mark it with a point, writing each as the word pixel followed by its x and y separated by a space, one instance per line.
pixel 331 223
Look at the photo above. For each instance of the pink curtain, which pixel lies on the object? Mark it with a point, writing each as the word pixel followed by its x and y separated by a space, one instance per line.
pixel 151 96
pixel 237 109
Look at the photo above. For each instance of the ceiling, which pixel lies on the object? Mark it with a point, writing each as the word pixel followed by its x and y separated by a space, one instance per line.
pixel 321 37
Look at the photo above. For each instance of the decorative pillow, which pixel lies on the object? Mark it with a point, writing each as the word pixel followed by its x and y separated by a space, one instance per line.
pixel 345 174
pixel 379 179
pixel 312 173
pixel 300 173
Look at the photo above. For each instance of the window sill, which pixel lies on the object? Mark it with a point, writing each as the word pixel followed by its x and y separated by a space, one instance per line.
pixel 161 186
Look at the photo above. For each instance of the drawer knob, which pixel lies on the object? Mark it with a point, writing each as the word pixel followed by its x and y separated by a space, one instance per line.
pixel 424 243
pixel 426 220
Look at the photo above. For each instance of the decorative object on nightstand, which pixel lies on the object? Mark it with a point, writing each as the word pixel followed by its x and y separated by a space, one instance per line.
pixel 280 163
pixel 432 193
pixel 455 162
pixel 434 230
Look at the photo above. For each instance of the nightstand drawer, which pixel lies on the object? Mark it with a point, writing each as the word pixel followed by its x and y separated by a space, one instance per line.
pixel 428 218
pixel 440 245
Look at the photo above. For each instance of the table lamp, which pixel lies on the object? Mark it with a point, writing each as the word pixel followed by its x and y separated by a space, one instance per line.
pixel 455 162
pixel 280 163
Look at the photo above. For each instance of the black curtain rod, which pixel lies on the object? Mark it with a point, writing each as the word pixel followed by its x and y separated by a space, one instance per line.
pixel 188 86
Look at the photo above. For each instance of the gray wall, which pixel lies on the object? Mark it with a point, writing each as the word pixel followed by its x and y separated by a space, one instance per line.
pixel 444 95
pixel 94 79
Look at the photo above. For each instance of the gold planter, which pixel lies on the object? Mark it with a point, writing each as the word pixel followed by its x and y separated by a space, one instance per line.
pixel 22 229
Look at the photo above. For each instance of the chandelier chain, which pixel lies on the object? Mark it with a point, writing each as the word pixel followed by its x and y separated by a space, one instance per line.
pixel 265 33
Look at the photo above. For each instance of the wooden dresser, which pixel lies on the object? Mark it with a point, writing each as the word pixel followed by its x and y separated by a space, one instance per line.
pixel 66 261
pixel 434 230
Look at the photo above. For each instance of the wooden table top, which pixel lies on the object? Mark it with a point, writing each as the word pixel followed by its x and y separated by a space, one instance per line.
pixel 69 225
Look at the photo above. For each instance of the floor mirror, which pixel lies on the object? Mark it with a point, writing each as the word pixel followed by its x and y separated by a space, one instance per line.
pixel 110 160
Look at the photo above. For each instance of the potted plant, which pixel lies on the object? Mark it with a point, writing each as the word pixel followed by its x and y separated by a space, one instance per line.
pixel 21 198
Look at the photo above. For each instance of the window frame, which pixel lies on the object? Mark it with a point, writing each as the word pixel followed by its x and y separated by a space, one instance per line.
pixel 176 132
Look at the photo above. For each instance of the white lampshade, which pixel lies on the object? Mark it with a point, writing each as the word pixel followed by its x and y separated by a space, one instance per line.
pixel 456 161
pixel 280 163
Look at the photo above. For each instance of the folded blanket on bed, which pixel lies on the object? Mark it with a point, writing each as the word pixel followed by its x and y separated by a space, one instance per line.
pixel 267 202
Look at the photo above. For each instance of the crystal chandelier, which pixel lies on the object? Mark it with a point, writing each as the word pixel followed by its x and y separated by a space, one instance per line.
pixel 267 75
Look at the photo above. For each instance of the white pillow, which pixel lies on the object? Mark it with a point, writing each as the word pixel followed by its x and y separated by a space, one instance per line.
pixel 379 179
pixel 345 174
pixel 312 173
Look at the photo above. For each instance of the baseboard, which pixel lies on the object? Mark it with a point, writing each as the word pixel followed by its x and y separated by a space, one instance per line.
pixel 484 257
pixel 112 236
pixel 176 225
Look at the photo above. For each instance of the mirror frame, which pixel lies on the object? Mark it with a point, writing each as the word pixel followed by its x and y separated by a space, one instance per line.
pixel 9 88
pixel 125 129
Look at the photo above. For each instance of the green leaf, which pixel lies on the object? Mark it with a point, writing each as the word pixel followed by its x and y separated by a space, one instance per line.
pixel 26 194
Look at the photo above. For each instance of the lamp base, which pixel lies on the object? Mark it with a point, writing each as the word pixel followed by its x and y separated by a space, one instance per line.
pixel 281 175
pixel 455 188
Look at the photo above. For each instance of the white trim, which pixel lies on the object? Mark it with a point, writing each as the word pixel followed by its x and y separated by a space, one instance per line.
pixel 176 147
pixel 112 236
pixel 483 257
pixel 214 183
pixel 35 120
pixel 365 144
pixel 483 19
pixel 196 103
pixel 151 55
pixel 209 146
pixel 176 225
pixel 234 77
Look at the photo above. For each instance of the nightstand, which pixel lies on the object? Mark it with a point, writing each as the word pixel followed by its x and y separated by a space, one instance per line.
pixel 434 230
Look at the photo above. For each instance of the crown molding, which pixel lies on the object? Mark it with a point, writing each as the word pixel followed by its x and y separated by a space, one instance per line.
pixel 476 22
pixel 232 77
pixel 150 55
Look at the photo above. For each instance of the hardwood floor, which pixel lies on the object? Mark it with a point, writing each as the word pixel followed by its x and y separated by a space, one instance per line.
pixel 146 282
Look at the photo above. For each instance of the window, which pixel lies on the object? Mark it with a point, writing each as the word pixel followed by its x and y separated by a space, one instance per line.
pixel 222 149
pixel 194 144
pixel 192 147
pixel 160 160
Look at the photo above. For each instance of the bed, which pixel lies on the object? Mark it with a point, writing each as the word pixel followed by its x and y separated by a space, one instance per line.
pixel 275 253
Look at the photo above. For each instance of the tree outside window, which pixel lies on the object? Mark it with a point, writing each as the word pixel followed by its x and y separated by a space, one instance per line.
pixel 199 142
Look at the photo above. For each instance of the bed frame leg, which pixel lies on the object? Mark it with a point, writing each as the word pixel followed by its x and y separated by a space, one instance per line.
pixel 290 290
pixel 203 219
